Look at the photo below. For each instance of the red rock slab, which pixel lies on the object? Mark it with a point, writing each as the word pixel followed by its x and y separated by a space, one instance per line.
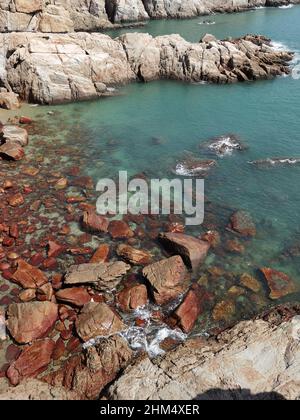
pixel 192 250
pixel 32 361
pixel 101 255
pixel 77 296
pixel 55 249
pixel 94 222
pixel 190 309
pixel 119 229
pixel 98 319
pixel 279 283
pixel 27 322
pixel 169 279
pixel 29 277
pixel 242 223
pixel 16 200
pixel 133 297
pixel 133 255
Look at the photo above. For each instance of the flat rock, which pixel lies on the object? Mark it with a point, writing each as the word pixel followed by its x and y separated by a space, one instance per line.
pixel 104 276
pixel 190 309
pixel 29 277
pixel 133 297
pixel 192 250
pixel 95 222
pixel 27 322
pixel 132 255
pixel 119 229
pixel 97 319
pixel 32 361
pixel 169 279
pixel 77 296
pixel 279 283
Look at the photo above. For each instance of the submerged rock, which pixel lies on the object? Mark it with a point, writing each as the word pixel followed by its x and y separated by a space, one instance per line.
pixel 32 361
pixel 279 283
pixel 194 167
pixel 241 222
pixel 97 319
pixel 169 279
pixel 95 222
pixel 133 255
pixel 119 229
pixel 250 283
pixel 104 276
pixel 192 250
pixel 275 162
pixel 224 145
pixel 27 322
pixel 224 311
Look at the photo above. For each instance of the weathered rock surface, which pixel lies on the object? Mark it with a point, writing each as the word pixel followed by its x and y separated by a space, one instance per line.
pixel 12 141
pixel 94 222
pixel 169 279
pixel 9 100
pixel 29 277
pixel 97 319
pixel 77 296
pixel 27 322
pixel 66 67
pixel 280 284
pixel 103 276
pixel 190 309
pixel 242 223
pixel 255 357
pixel 192 250
pixel 133 255
pixel 133 297
pixel 31 362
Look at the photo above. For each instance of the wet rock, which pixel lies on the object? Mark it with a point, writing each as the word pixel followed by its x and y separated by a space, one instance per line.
pixel 14 135
pixel 94 222
pixel 101 255
pixel 25 120
pixel 45 293
pixel 27 295
pixel 235 246
pixel 192 250
pixel 212 237
pixel 250 283
pixel 61 184
pixel 97 319
pixel 30 171
pixel 77 296
pixel 133 255
pixel 224 311
pixel 133 297
pixel 279 283
pixel 29 277
pixel 9 101
pixel 16 200
pixel 12 151
pixel 190 309
pixel 276 162
pixel 55 249
pixel 119 229
pixel 242 223
pixel 236 291
pixel 104 276
pixel 169 279
pixel 224 145
pixel 30 321
pixel 194 167
pixel 32 361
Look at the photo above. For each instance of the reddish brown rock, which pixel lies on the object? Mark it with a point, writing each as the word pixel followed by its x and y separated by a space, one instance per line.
pixel 250 283
pixel 94 222
pixel 32 361
pixel 119 229
pixel 14 231
pixel 45 293
pixel 101 255
pixel 169 279
pixel 192 250
pixel 133 255
pixel 224 311
pixel 279 283
pixel 235 246
pixel 212 237
pixel 97 319
pixel 55 249
pixel 242 223
pixel 77 296
pixel 190 309
pixel 29 277
pixel 27 295
pixel 12 151
pixel 16 200
pixel 25 120
pixel 133 297
pixel 30 321
pixel 30 171
pixel 59 349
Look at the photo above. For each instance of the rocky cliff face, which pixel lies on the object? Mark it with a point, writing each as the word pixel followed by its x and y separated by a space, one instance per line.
pixel 61 16
pixel 62 68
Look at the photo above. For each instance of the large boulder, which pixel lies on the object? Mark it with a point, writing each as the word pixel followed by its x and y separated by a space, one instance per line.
pixel 98 319
pixel 192 250
pixel 169 279
pixel 27 322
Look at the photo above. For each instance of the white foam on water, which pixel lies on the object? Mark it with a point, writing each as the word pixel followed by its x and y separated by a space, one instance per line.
pixel 287 6
pixel 224 146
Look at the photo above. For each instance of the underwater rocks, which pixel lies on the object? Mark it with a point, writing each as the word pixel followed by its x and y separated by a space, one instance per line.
pixel 250 283
pixel 133 297
pixel 27 322
pixel 94 222
pixel 101 255
pixel 31 362
pixel 242 223
pixel 29 277
pixel 104 276
pixel 119 229
pixel 194 167
pixel 12 141
pixel 192 250
pixel 224 145
pixel 35 71
pixel 98 319
pixel 169 279
pixel 132 255
pixel 279 283
pixel 224 311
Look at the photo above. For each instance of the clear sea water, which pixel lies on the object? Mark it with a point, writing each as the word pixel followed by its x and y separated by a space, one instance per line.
pixel 119 132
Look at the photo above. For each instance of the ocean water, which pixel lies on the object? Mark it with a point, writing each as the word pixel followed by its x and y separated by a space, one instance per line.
pixel 149 127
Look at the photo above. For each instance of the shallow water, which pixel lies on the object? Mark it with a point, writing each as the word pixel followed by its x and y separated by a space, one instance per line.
pixel 117 133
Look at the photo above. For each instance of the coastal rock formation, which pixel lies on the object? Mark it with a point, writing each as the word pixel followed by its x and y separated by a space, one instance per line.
pixel 62 68
pixel 255 357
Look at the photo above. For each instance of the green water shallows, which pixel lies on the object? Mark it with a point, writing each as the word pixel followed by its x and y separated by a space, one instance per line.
pixel 264 114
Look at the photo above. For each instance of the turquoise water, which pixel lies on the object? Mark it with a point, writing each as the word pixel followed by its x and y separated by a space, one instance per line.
pixel 119 132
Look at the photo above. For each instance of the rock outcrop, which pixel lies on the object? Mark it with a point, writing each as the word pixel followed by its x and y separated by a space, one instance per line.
pixel 256 359
pixel 62 68
pixel 89 15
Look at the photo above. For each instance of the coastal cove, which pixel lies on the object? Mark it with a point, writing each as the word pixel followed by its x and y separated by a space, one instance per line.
pixel 161 129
